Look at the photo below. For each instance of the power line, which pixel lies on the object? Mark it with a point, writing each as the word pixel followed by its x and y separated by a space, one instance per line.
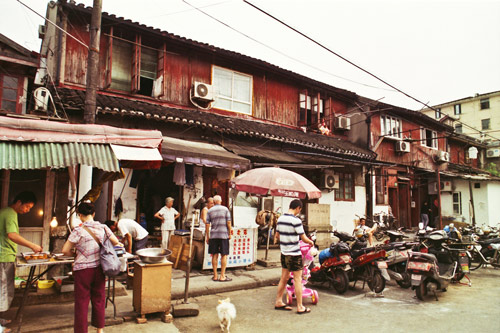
pixel 280 52
pixel 336 54
pixel 347 60
pixel 55 25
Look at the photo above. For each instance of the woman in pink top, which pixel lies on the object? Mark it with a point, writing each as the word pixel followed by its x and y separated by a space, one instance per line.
pixel 89 278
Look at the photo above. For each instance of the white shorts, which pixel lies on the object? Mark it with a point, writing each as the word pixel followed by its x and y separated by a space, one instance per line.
pixel 7 275
pixel 165 237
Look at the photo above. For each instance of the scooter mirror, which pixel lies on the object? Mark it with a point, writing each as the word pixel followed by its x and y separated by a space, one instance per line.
pixel 421 225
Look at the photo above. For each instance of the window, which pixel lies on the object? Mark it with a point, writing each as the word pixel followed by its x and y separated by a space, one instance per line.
pixel 457 109
pixel 9 92
pixel 391 127
pixel 429 138
pixel 485 124
pixel 121 73
pixel 457 203
pixel 458 128
pixel 149 62
pixel 308 110
pixel 346 187
pixel 438 113
pixel 485 103
pixel 233 90
pixel 380 186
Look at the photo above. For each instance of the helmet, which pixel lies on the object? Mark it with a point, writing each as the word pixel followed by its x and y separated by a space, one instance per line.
pixel 452 226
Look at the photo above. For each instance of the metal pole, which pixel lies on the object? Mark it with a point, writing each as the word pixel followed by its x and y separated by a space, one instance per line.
pixel 93 64
pixel 472 204
pixel 188 270
pixel 439 199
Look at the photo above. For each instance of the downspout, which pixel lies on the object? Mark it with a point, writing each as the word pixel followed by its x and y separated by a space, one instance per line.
pixel 368 176
pixel 59 54
pixel 71 196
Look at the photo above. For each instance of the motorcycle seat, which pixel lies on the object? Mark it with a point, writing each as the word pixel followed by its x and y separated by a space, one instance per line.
pixel 489 241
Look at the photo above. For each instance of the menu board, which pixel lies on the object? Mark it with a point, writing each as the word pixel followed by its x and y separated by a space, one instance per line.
pixel 242 249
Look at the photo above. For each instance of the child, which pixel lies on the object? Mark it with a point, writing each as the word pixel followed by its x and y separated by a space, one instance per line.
pixel 167 215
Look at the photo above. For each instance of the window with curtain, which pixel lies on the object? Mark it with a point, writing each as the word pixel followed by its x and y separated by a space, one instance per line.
pixel 121 70
pixel 9 91
pixel 457 203
pixel 391 127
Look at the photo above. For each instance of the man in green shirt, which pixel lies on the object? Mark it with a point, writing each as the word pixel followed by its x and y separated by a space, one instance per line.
pixel 9 239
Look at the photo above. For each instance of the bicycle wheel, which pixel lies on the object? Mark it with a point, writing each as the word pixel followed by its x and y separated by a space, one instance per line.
pixel 476 261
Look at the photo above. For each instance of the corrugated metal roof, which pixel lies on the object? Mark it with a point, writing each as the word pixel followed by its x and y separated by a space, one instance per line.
pixel 40 155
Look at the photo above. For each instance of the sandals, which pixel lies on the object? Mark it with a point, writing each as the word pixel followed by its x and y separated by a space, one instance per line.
pixel 227 279
pixel 215 279
pixel 283 307
pixel 306 310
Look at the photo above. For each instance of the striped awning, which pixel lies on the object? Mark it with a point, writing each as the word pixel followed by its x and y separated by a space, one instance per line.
pixel 40 155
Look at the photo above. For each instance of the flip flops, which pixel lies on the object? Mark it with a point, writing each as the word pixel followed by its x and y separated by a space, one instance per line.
pixel 306 310
pixel 214 279
pixel 227 279
pixel 283 307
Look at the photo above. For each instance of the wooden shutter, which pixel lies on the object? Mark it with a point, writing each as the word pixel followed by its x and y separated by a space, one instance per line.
pixel 136 65
pixel 109 65
pixel 162 65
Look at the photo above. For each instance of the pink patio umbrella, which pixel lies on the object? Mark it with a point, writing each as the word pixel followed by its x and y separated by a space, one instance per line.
pixel 276 182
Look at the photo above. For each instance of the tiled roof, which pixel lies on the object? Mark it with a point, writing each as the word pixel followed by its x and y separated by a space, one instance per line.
pixel 107 104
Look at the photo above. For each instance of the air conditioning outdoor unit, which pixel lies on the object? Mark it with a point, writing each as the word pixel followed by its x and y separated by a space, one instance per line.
pixel 442 156
pixel 445 186
pixel 330 181
pixel 343 123
pixel 203 91
pixel 42 96
pixel 403 146
pixel 493 152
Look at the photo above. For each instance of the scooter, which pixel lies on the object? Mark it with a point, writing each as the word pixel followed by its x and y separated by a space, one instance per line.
pixel 335 263
pixel 434 271
pixel 369 266
pixel 397 259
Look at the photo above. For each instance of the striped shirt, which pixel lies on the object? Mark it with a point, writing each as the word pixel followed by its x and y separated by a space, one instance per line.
pixel 217 217
pixel 290 228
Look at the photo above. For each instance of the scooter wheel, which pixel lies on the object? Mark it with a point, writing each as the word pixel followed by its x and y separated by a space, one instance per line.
pixel 314 297
pixel 406 282
pixel 340 280
pixel 421 291
pixel 377 283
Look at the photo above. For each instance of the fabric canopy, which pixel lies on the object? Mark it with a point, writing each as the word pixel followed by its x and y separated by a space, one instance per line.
pixel 203 154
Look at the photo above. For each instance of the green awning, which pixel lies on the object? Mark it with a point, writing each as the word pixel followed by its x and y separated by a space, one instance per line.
pixel 40 155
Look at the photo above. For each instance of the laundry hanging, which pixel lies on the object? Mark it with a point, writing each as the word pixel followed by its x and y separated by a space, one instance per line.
pixel 180 174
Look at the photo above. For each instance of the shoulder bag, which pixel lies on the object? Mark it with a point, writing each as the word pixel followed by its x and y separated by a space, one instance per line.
pixel 110 263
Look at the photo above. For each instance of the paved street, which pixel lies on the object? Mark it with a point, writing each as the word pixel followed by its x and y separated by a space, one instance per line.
pixel 461 309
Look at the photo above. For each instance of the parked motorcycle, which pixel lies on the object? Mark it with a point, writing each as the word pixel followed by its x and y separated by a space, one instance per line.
pixel 485 252
pixel 397 254
pixel 433 271
pixel 369 266
pixel 335 263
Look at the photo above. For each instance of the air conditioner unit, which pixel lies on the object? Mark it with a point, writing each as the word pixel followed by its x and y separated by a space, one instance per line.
pixel 343 123
pixel 203 91
pixel 330 181
pixel 493 152
pixel 445 186
pixel 442 156
pixel 403 146
pixel 42 29
pixel 42 96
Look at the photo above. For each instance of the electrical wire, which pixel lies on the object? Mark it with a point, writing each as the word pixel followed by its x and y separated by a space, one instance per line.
pixel 280 52
pixel 55 25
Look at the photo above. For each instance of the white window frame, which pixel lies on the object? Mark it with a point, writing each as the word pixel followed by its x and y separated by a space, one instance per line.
pixel 457 109
pixel 231 99
pixel 423 138
pixel 438 114
pixel 458 204
pixel 391 121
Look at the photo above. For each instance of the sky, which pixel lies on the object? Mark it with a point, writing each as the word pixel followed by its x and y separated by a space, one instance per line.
pixel 433 50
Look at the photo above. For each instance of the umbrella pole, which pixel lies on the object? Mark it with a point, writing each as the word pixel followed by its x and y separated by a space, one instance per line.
pixel 268 236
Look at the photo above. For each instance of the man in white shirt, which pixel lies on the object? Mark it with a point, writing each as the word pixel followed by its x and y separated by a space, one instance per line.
pixel 132 232
pixel 167 214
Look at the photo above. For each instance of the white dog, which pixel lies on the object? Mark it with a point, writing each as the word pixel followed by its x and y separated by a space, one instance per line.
pixel 226 312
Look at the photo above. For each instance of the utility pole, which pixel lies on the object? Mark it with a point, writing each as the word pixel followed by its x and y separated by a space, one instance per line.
pixel 93 64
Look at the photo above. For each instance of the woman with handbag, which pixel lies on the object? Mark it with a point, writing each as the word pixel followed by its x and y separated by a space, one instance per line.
pixel 87 271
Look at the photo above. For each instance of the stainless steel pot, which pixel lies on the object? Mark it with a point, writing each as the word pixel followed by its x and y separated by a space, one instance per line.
pixel 153 255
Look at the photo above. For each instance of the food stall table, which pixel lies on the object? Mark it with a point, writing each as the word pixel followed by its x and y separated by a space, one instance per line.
pixel 32 278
